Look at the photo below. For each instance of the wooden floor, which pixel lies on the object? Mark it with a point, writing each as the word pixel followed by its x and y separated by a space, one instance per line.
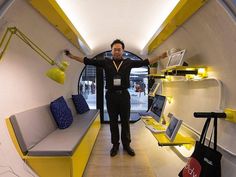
pixel 122 165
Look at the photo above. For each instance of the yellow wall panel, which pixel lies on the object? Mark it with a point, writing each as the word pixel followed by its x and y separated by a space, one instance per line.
pixel 55 15
pixel 183 11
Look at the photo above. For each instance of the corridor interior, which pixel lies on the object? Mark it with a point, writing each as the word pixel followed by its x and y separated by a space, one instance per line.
pixel 148 162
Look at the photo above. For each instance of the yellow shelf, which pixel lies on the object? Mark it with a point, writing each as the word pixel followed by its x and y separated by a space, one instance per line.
pixel 157 76
pixel 163 140
pixel 200 71
pixel 186 68
pixel 189 71
pixel 179 140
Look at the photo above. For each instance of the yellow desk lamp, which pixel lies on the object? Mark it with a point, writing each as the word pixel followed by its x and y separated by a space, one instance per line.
pixel 57 74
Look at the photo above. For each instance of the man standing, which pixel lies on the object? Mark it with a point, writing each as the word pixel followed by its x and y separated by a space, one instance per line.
pixel 117 73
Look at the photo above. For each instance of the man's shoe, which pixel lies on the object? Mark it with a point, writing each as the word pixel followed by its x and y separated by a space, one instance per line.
pixel 129 150
pixel 114 150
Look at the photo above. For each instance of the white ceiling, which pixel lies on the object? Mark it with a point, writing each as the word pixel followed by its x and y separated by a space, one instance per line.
pixel 101 21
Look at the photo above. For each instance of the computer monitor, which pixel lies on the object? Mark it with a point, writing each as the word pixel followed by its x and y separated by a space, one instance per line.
pixel 176 59
pixel 173 128
pixel 154 89
pixel 158 106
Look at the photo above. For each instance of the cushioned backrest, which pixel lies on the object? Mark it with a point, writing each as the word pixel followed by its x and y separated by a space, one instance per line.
pixel 32 126
pixel 71 105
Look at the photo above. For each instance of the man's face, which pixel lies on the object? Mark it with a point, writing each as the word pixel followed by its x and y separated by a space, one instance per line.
pixel 117 51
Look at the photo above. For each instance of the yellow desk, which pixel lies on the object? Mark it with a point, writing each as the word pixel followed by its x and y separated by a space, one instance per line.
pixel 163 140
pixel 179 139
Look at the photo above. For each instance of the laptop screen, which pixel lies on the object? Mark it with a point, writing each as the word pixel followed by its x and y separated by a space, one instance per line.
pixel 173 128
pixel 176 59
pixel 158 106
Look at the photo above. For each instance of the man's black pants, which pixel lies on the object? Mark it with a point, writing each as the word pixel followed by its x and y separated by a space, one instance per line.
pixel 118 104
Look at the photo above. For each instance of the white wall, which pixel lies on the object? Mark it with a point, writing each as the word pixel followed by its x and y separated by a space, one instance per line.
pixel 22 74
pixel 210 40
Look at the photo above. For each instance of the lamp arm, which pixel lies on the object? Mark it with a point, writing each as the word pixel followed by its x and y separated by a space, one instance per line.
pixel 25 39
pixel 56 73
pixel 34 47
pixel 7 43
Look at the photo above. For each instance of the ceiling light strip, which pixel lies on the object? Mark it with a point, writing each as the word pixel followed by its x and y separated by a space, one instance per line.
pixel 183 10
pixel 55 15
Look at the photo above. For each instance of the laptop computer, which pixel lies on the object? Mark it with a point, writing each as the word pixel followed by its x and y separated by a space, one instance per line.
pixel 154 89
pixel 172 129
pixel 156 108
pixel 176 59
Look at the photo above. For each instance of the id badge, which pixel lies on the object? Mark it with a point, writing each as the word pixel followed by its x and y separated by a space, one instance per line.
pixel 117 80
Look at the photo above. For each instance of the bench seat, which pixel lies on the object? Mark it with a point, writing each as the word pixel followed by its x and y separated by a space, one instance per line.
pixel 63 142
pixel 53 152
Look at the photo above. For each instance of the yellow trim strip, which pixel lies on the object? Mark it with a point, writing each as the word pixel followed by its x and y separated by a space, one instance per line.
pixel 13 137
pixel 183 10
pixel 55 15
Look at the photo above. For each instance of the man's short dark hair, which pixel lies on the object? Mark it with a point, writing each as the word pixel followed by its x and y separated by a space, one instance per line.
pixel 118 41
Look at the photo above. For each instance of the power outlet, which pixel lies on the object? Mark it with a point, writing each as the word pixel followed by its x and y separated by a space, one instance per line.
pixel 230 115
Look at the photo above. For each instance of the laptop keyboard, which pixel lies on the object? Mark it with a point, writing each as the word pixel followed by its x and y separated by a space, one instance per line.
pixel 153 126
pixel 154 129
pixel 160 127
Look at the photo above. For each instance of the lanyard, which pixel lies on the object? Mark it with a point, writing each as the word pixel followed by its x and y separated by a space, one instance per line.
pixel 117 68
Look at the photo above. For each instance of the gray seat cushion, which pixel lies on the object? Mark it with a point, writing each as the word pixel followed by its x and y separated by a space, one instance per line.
pixel 64 142
pixel 32 126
